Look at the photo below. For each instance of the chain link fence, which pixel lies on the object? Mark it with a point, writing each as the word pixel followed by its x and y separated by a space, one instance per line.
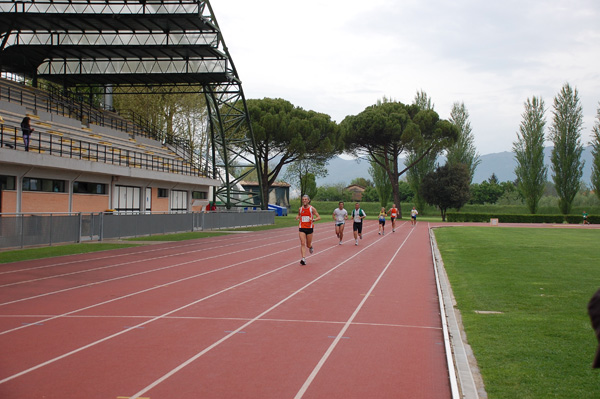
pixel 18 230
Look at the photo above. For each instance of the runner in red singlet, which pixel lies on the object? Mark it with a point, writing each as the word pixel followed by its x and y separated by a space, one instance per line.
pixel 393 215
pixel 307 215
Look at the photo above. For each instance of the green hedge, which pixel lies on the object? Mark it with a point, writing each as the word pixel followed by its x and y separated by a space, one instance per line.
pixel 507 218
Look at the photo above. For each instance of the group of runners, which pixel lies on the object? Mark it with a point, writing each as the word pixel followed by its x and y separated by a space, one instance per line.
pixel 307 215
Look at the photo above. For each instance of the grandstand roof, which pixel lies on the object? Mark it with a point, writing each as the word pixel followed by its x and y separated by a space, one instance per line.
pixel 97 42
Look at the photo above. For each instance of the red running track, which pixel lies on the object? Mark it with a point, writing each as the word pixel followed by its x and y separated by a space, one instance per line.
pixel 228 317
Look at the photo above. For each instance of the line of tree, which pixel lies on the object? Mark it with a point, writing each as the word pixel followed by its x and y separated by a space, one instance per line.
pixel 566 163
pixel 303 141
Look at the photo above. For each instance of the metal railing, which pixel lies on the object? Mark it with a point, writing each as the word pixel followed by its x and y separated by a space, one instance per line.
pixel 60 146
pixel 19 230
pixel 56 101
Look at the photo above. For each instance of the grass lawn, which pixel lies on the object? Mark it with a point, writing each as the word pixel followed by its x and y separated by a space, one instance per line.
pixel 59 250
pixel 542 344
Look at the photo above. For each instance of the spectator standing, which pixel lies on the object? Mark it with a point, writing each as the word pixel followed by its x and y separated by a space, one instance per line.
pixel 27 130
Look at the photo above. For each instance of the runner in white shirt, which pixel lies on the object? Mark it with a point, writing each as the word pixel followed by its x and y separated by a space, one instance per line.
pixel 340 215
pixel 358 215
pixel 413 216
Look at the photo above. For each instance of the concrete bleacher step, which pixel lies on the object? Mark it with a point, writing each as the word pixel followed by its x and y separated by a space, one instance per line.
pixel 63 130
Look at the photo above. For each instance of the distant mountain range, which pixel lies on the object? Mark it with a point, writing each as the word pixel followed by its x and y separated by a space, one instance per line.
pixel 502 164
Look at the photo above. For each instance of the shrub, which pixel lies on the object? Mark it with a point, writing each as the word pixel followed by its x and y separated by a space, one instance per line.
pixel 519 218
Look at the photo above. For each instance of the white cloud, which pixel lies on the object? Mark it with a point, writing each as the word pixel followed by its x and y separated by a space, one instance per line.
pixel 339 57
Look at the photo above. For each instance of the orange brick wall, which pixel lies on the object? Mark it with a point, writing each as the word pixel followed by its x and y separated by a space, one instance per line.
pixel 159 204
pixel 9 202
pixel 90 203
pixel 44 202
pixel 199 205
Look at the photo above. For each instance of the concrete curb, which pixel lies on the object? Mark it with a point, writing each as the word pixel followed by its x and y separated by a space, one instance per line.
pixel 468 378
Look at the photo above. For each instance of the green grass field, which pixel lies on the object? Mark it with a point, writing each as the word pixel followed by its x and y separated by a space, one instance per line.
pixel 542 344
pixel 58 250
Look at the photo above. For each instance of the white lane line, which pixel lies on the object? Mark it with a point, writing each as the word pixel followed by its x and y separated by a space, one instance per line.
pixel 119 264
pixel 340 335
pixel 244 326
pixel 152 288
pixel 25 316
pixel 100 258
pixel 163 315
pixel 12 377
pixel 135 274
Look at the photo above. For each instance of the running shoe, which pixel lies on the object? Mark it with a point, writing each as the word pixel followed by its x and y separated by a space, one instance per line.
pixel 311 250
pixel 340 243
pixel 302 262
pixel 356 243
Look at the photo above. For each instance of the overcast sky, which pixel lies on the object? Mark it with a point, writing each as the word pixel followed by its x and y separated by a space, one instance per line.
pixel 340 56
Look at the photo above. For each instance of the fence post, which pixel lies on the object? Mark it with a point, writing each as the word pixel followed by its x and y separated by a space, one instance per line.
pixel 101 232
pixel 50 239
pixel 80 229
pixel 93 224
pixel 22 231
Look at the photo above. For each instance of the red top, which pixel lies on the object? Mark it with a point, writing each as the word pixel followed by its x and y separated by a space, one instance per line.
pixel 306 217
pixel 394 212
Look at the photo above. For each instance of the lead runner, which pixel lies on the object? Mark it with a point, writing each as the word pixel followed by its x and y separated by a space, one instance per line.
pixel 307 214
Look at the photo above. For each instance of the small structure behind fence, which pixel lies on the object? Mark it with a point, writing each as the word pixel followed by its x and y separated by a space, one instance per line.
pixel 29 229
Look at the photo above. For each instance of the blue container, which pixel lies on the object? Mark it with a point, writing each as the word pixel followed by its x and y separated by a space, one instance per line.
pixel 279 210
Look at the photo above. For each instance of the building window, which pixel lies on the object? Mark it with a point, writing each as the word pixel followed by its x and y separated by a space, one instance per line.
pixel 199 195
pixel 46 185
pixel 126 198
pixel 7 182
pixel 163 193
pixel 80 187
pixel 179 200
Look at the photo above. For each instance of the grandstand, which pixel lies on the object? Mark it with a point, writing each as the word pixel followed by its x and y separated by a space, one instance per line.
pixel 88 159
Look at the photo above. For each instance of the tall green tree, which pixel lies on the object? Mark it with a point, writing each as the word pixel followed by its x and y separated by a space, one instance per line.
pixel 487 192
pixel 309 182
pixel 596 153
pixel 381 181
pixel 384 131
pixel 529 153
pixel 463 151
pixel 297 171
pixel 565 133
pixel 284 134
pixel 416 174
pixel 447 187
pixel 595 143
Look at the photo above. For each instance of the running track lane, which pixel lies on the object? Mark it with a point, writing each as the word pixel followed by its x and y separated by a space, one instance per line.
pixel 355 322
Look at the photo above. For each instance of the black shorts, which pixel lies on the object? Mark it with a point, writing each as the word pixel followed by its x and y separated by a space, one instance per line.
pixel 357 226
pixel 382 222
pixel 305 231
